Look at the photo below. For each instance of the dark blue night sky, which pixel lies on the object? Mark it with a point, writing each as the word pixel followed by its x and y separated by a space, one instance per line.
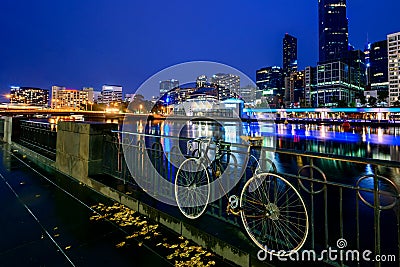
pixel 79 43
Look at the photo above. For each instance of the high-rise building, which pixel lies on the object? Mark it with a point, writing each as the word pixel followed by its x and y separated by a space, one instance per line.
pixel 248 94
pixel 201 80
pixel 333 29
pixel 168 85
pixel 289 54
pixel 90 92
pixel 335 84
pixel 270 84
pixel 355 59
pixel 294 93
pixel 310 84
pixel 111 94
pixel 230 82
pixel 96 96
pixel 378 66
pixel 393 43
pixel 68 98
pixel 29 96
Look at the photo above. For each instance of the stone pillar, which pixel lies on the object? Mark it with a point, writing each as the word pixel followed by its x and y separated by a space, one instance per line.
pixel 80 148
pixel 7 130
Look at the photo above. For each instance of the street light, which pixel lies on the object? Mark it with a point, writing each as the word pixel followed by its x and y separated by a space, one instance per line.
pixel 8 96
pixel 140 108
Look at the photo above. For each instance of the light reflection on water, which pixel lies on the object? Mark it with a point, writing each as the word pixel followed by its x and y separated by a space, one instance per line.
pixel 364 142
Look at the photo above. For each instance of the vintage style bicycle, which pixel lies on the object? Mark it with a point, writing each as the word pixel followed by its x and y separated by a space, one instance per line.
pixel 272 210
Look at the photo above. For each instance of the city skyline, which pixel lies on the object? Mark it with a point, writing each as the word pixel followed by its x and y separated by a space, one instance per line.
pixel 85 47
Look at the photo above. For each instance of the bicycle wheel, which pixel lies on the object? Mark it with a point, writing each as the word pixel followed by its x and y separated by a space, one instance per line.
pixel 192 188
pixel 274 214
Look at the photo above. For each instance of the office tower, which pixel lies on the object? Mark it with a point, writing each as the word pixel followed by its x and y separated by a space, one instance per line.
pixel 29 96
pixel 90 92
pixel 248 94
pixel 270 84
pixel 201 81
pixel 111 94
pixel 356 61
pixel 294 91
pixel 229 82
pixel 337 84
pixel 333 29
pixel 393 42
pixel 62 98
pixel 96 96
pixel 168 85
pixel 310 84
pixel 378 67
pixel 289 54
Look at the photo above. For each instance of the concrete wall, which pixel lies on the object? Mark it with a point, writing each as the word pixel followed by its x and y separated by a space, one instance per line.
pixel 80 149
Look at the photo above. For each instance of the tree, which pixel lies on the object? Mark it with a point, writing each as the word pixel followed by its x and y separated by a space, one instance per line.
pixel 139 104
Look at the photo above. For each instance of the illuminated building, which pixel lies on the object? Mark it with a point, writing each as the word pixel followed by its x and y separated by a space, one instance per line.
pixel 335 83
pixel 310 83
pixel 393 42
pixel 111 94
pixel 90 93
pixel 270 84
pixel 29 96
pixel 289 54
pixel 228 81
pixel 248 94
pixel 294 92
pixel 333 29
pixel 62 98
pixel 201 80
pixel 378 66
pixel 168 85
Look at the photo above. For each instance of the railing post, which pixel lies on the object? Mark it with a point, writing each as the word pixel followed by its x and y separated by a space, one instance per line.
pixel 377 213
pixel 312 203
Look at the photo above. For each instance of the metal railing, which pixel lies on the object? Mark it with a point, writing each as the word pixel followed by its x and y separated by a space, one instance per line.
pixel 40 137
pixel 364 211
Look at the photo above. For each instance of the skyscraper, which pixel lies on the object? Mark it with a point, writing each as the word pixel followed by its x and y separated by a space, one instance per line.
pixel 270 84
pixel 111 94
pixel 228 81
pixel 310 83
pixel 201 80
pixel 378 66
pixel 393 41
pixel 333 29
pixel 289 54
pixel 168 85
